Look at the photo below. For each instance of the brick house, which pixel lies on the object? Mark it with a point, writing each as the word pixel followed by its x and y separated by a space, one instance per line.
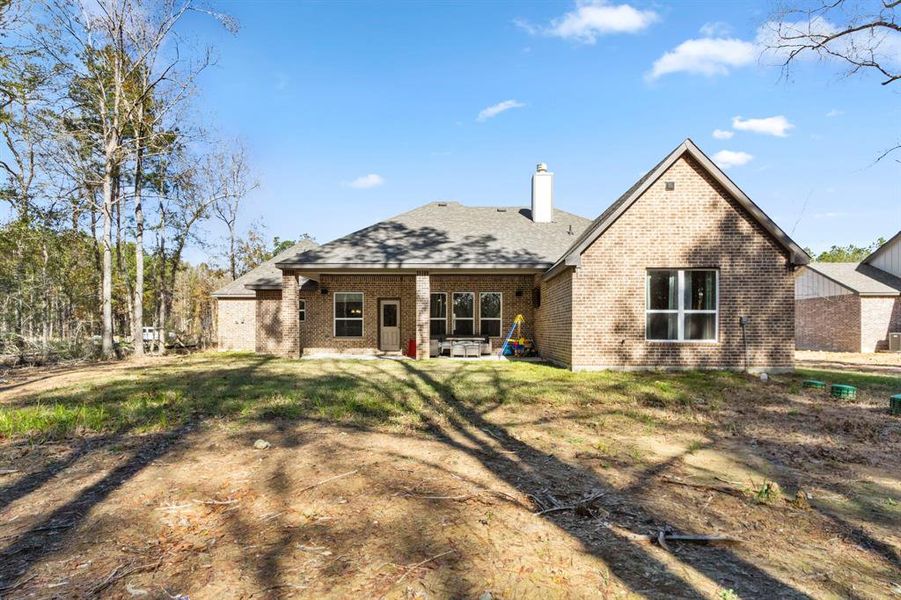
pixel 850 307
pixel 682 271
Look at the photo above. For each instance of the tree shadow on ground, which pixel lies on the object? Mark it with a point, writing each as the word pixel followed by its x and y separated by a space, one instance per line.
pixel 369 395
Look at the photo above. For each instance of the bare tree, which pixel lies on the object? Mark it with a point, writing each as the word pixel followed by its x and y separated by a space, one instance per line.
pixel 862 35
pixel 115 50
pixel 228 171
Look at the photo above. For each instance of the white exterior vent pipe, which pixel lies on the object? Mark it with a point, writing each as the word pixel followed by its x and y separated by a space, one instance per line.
pixel 542 194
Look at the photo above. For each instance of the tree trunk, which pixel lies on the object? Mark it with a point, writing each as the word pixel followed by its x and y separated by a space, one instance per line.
pixel 138 318
pixel 106 276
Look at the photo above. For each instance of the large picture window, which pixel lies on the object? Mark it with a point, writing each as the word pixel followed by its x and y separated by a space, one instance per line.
pixel 490 313
pixel 682 305
pixel 463 313
pixel 348 314
pixel 302 310
pixel 438 315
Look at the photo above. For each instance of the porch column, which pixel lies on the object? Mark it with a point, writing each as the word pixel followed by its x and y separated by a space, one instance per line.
pixel 423 290
pixel 290 342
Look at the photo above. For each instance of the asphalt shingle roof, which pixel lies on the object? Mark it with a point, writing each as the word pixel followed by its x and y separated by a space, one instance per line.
pixel 859 277
pixel 449 234
pixel 267 275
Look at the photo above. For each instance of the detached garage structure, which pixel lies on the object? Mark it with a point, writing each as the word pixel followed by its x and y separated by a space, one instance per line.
pixel 237 302
pixel 850 307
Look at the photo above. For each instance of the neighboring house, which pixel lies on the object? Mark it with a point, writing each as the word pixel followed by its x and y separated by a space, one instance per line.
pixel 682 271
pixel 850 307
pixel 237 302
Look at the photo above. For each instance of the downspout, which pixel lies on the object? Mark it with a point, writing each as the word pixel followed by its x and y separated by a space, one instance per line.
pixel 743 322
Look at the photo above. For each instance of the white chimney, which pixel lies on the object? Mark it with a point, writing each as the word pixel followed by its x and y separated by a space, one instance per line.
pixel 542 195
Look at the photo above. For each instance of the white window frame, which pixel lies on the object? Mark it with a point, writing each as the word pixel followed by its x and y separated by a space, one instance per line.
pixel 499 318
pixel 335 317
pixel 454 314
pixel 681 311
pixel 301 310
pixel 444 318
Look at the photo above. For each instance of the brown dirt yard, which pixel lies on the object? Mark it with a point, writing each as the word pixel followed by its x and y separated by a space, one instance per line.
pixel 443 479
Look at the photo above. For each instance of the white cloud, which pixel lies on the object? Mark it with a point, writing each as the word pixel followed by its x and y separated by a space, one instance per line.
pixel 707 56
pixel 496 109
pixel 723 134
pixel 366 182
pixel 592 19
pixel 716 29
pixel 835 113
pixel 729 158
pixel 777 126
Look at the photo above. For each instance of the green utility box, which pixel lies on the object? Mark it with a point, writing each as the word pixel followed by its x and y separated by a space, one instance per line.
pixel 895 404
pixel 814 384
pixel 845 392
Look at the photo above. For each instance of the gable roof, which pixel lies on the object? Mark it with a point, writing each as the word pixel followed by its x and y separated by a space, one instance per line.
pixel 266 276
pixel 449 235
pixel 861 278
pixel 883 248
pixel 573 254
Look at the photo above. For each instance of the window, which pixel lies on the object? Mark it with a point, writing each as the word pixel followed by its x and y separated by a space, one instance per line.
pixel 463 313
pixel 490 313
pixel 438 315
pixel 682 305
pixel 302 310
pixel 348 314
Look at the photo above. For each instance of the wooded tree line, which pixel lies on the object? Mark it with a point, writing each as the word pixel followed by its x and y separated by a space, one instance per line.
pixel 108 176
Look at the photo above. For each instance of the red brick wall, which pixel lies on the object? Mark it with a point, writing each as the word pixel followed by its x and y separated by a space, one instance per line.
pixel 507 285
pixel 696 225
pixel 236 324
pixel 269 322
pixel 316 336
pixel 830 323
pixel 553 319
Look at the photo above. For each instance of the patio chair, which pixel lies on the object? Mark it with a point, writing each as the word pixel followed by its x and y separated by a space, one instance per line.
pixel 472 349
pixel 458 349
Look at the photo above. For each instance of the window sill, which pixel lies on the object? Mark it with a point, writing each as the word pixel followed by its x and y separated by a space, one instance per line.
pixel 690 342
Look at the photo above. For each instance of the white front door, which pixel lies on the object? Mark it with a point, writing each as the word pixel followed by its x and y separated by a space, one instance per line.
pixel 389 325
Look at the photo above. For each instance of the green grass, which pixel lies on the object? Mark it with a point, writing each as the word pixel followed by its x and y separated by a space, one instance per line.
pixel 870 382
pixel 392 394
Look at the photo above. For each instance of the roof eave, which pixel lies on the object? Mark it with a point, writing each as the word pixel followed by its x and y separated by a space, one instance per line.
pixel 878 251
pixel 322 266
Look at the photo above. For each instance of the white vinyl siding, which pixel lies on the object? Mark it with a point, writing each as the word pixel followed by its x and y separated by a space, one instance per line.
pixel 889 260
pixel 810 284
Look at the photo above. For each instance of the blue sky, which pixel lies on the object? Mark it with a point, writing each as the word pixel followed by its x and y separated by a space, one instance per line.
pixel 353 112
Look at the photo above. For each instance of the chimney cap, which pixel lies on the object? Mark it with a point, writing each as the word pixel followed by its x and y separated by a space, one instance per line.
pixel 541 167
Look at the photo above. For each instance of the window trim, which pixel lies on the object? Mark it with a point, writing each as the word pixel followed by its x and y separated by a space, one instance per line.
pixel 444 318
pixel 680 310
pixel 335 317
pixel 454 314
pixel 301 309
pixel 499 318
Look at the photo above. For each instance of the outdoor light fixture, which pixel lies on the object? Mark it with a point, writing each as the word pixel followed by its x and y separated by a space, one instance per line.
pixel 519 293
pixel 323 291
